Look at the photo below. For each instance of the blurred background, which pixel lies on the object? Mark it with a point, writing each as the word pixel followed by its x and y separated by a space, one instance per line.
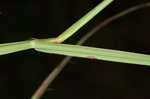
pixel 21 73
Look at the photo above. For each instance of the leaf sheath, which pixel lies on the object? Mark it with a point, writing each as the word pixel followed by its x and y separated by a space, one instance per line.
pixel 93 53
pixel 14 47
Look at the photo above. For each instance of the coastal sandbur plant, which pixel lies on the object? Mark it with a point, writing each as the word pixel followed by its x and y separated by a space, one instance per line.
pixel 51 45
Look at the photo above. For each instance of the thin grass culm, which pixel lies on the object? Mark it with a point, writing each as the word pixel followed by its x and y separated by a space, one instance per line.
pixel 66 34
pixel 93 53
pixel 49 79
pixel 49 46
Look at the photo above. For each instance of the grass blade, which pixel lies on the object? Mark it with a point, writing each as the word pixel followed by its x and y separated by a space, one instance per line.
pixel 82 21
pixel 14 47
pixel 93 53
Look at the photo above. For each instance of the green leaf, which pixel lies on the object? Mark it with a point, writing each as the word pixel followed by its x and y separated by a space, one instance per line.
pixel 14 47
pixel 93 53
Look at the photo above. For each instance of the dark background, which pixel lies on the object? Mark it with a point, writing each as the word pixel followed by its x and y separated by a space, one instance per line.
pixel 21 73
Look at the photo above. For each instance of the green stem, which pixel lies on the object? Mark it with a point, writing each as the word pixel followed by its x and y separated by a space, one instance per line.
pixel 15 47
pixel 55 72
pixel 93 53
pixel 82 21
